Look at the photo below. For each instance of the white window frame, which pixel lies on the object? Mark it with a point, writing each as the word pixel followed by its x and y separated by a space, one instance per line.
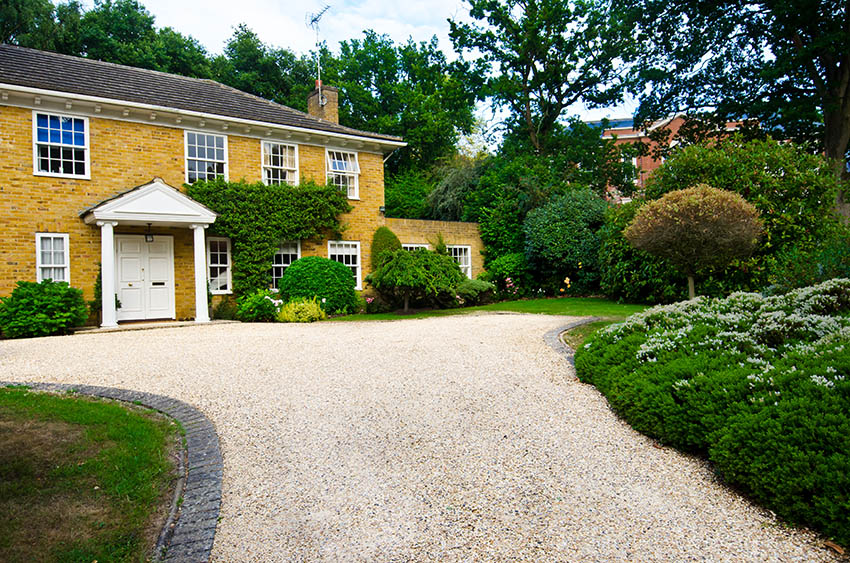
pixel 229 265
pixel 67 256
pixel 414 246
pixel 186 153
pixel 359 267
pixel 353 191
pixel 35 144
pixel 298 247
pixel 465 268
pixel 263 165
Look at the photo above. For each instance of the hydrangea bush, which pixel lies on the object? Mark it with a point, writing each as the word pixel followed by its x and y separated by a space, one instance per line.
pixel 761 385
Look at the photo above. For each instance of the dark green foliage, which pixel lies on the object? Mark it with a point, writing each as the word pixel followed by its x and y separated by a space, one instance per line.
pixel 420 274
pixel 561 238
pixel 329 281
pixel 476 292
pixel 260 306
pixel 511 274
pixel 41 309
pixel 257 217
pixel 456 178
pixel 405 194
pixel 799 268
pixel 760 385
pixel 629 274
pixel 225 310
pixel 383 241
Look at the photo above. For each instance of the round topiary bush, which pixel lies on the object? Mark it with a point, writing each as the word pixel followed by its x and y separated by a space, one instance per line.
pixel 383 241
pixel 330 282
pixel 42 309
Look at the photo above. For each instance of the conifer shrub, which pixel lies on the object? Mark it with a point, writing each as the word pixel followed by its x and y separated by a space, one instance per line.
pixel 41 309
pixel 329 281
pixel 419 275
pixel 383 241
pixel 759 385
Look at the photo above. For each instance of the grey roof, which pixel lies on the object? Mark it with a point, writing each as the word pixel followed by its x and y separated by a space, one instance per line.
pixel 21 66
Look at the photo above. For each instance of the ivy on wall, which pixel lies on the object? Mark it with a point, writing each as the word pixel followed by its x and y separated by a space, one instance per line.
pixel 256 217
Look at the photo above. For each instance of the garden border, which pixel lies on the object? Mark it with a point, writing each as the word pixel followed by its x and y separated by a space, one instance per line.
pixel 189 530
pixel 553 338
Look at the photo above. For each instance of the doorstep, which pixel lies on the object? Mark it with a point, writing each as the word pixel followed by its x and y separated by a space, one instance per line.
pixel 145 325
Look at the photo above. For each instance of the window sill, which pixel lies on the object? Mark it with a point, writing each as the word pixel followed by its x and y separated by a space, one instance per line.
pixel 57 175
pixel 221 292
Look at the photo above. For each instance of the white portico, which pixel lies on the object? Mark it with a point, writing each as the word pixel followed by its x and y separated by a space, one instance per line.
pixel 138 269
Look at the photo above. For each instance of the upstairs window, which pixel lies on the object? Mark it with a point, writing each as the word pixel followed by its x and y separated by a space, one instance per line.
pixel 51 257
pixel 463 257
pixel 343 171
pixel 61 145
pixel 287 253
pixel 206 156
pixel 218 260
pixel 280 164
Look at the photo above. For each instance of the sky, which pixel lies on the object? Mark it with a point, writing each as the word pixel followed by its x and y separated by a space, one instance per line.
pixel 284 23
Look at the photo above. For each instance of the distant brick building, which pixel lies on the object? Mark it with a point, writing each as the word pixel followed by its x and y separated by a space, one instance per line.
pixel 94 157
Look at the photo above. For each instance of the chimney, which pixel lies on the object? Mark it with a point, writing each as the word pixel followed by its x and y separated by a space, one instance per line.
pixel 326 108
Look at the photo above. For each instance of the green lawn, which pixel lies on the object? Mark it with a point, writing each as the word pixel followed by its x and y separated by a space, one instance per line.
pixel 576 337
pixel 81 479
pixel 570 306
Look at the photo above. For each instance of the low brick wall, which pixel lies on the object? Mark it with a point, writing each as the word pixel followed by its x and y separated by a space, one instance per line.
pixel 420 231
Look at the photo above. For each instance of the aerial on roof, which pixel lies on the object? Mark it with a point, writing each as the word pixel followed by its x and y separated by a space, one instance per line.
pixel 20 66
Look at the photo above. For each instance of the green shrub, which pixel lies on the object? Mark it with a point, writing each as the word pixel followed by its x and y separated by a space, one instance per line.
pixel 327 280
pixel 629 274
pixel 260 306
pixel 696 228
pixel 561 238
pixel 799 267
pixel 225 310
pixel 420 274
pixel 302 311
pixel 41 309
pixel 475 292
pixel 383 241
pixel 511 275
pixel 759 384
pixel 405 194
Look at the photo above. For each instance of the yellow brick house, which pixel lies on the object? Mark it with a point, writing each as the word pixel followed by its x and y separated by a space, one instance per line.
pixel 94 157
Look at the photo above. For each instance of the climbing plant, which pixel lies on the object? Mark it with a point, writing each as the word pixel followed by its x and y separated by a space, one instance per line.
pixel 256 217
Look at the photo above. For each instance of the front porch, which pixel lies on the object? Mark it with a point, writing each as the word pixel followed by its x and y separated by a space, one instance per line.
pixel 138 261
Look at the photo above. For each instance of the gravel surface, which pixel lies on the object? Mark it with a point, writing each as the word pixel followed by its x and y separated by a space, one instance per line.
pixel 462 438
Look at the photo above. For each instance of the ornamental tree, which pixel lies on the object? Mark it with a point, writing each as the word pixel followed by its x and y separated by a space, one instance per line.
pixel 417 274
pixel 697 228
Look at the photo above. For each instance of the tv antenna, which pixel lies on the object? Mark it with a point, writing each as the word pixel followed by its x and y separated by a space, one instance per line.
pixel 313 21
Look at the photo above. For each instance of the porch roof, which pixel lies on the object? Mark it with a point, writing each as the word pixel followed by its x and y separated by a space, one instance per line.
pixel 156 203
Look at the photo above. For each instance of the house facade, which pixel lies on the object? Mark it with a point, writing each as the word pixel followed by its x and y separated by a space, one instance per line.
pixel 94 159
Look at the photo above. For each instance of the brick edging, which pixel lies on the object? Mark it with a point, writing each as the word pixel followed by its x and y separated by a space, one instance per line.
pixel 190 536
pixel 553 338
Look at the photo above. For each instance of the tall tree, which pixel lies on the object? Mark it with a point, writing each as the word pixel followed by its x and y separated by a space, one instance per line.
pixel 548 54
pixel 409 90
pixel 19 19
pixel 783 63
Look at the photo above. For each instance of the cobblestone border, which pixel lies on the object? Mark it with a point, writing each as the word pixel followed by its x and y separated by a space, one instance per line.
pixel 554 340
pixel 189 531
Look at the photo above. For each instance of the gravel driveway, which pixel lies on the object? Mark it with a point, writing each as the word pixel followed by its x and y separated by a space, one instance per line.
pixel 459 438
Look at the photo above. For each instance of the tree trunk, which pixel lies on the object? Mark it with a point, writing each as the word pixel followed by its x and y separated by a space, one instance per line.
pixel 691 289
pixel 406 301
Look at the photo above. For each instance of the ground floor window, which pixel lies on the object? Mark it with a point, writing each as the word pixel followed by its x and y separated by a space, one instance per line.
pixel 51 257
pixel 287 253
pixel 218 259
pixel 463 257
pixel 414 246
pixel 348 253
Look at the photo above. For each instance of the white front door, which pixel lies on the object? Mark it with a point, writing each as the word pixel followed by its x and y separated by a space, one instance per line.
pixel 144 277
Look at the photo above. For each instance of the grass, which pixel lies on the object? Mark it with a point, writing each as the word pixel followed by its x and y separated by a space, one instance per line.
pixel 575 337
pixel 81 479
pixel 570 306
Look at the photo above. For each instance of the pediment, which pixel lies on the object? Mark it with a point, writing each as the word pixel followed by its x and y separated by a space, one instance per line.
pixel 156 203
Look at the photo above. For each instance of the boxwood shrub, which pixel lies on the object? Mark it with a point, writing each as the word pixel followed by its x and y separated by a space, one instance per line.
pixel 330 282
pixel 761 385
pixel 41 309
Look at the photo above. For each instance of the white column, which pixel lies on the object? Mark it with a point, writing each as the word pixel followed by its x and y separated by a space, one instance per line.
pixel 107 273
pixel 202 313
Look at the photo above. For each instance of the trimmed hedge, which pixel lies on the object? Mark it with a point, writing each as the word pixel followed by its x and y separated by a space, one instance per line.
pixel 383 241
pixel 42 309
pixel 760 385
pixel 327 280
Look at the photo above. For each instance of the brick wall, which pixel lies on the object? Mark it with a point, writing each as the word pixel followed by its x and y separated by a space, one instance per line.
pixel 418 231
